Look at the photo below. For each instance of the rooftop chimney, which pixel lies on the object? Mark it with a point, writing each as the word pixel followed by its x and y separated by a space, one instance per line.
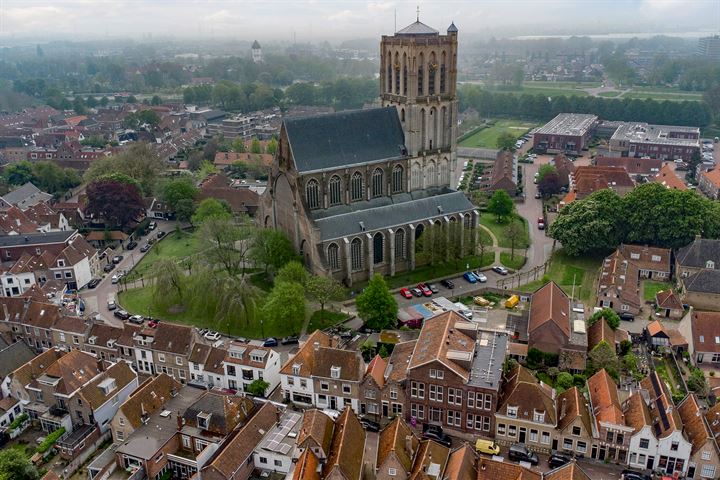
pixel 563 408
pixel 179 421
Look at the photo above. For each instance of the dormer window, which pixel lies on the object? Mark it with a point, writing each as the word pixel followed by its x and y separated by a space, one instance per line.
pixel 255 358
pixel 335 372
pixel 512 412
pixel 538 417
pixel 61 262
pixel 203 420
pixel 710 264
pixel 107 386
pixel 656 258
pixel 296 369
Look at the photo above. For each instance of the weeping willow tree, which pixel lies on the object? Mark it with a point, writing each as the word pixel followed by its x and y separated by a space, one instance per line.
pixel 169 283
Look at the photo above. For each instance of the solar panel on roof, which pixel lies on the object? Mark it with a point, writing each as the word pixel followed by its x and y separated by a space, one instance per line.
pixel 285 448
pixel 663 415
pixel 656 386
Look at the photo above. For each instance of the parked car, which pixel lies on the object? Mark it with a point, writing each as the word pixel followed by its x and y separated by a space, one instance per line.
pixel 447 284
pixel 537 194
pixel 500 270
pixel 270 342
pixel 404 292
pixel 541 225
pixel 138 319
pixel 425 289
pixel 557 460
pixel 145 248
pixel 437 435
pixel 433 288
pixel 369 425
pixel 161 234
pixel 111 305
pixel 152 226
pixel 121 314
pixel 153 323
pixel 633 475
pixel 117 259
pixel 627 316
pixel 289 340
pixel 109 267
pixel 93 283
pixel 487 446
pixel 131 245
pixel 468 276
pixel 211 335
pixel 480 276
pixel 520 453
pixel 416 291
pixel 116 278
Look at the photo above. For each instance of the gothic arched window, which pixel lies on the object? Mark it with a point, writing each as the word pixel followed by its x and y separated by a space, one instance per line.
pixel 356 187
pixel 356 260
pixel 416 176
pixel 312 193
pixel 431 174
pixel 378 245
pixel 333 256
pixel 444 172
pixel 397 179
pixel 377 182
pixel 335 196
pixel 400 243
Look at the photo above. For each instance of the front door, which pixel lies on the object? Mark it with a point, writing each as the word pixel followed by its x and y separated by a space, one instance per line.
pixel 333 403
pixel 650 463
pixel 601 455
pixel 554 444
pixel 691 471
pixel 593 451
pixel 385 412
pixel 521 434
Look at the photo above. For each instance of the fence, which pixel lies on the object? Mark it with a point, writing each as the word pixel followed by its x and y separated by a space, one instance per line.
pixel 514 281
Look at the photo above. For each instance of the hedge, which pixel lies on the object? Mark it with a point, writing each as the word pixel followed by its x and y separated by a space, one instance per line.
pixel 50 440
pixel 19 420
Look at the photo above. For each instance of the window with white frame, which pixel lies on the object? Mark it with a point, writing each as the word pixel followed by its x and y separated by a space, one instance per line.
pixel 392 472
pixel 324 386
pixel 488 401
pixel 538 417
pixel 644 443
pixel 533 436
pixel 439 374
pixel 335 372
pixel 453 418
pixel 393 393
pixel 436 393
pixel 706 455
pixel 567 443
pixel 346 388
pixel 417 390
pixel 512 431
pixel 161 357
pixel 501 429
pixel 471 399
pixel 581 446
pixel 707 471
pixel 545 438
pixel 486 424
pixel 576 431
pixel 512 412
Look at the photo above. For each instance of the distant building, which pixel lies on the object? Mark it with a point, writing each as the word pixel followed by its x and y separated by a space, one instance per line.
pixel 636 167
pixel 504 174
pixel 709 47
pixel 638 139
pixel 709 183
pixel 566 133
pixel 257 52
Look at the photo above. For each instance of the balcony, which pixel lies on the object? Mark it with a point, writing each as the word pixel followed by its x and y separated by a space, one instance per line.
pixel 71 441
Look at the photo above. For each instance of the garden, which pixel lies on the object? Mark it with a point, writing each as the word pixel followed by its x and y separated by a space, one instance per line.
pixel 486 136
pixel 569 272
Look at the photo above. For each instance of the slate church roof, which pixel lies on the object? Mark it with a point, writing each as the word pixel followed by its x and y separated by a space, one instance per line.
pixel 419 28
pixel 697 253
pixel 347 138
pixel 388 216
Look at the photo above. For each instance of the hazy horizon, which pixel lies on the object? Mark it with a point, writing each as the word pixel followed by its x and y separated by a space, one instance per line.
pixel 318 20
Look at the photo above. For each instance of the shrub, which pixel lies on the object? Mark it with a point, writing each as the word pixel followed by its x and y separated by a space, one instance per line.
pixel 50 440
pixel 19 420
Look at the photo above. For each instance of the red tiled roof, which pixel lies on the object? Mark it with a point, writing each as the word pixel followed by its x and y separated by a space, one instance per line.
pixel 550 305
pixel 604 398
pixel 666 176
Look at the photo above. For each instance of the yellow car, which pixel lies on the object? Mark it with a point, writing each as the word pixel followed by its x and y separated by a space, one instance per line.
pixel 487 446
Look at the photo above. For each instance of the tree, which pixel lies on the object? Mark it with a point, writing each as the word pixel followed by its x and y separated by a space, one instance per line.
pixel 272 146
pixel 139 162
pixel 19 173
pixel 272 249
pixel 610 316
pixel 376 305
pixel 292 272
pixel 285 305
pixel 142 118
pixel 14 465
pixel 225 244
pixel 184 210
pixel 564 381
pixel 323 290
pixel 156 100
pixel 501 205
pixel 625 347
pixel 114 198
pixel 257 387
pixel 514 232
pixel 211 208
pixel 546 169
pixel 506 141
pixel 256 146
pixel 53 179
pixel 591 225
pixel 603 356
pixel 104 101
pixel 177 189
pixel 698 383
pixel 238 145
pixel 549 185
pixel 711 97
pixel 169 282
pixel 131 99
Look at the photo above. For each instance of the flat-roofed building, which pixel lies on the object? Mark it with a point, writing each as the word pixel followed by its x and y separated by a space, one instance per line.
pixel 638 139
pixel 566 133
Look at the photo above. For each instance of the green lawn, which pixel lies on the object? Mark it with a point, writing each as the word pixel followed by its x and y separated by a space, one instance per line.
pixel 176 246
pixel 564 269
pixel 551 92
pixel 612 94
pixel 663 95
pixel 139 301
pixel 487 137
pixel 576 85
pixel 650 288
pixel 669 375
pixel 321 320
pixel 499 229
pixel 512 263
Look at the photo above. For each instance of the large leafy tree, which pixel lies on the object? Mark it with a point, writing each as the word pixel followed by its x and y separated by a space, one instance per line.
pixel 610 316
pixel 16 466
pixel 603 356
pixel 139 162
pixel 376 305
pixel 590 225
pixel 506 141
pixel 285 305
pixel 177 189
pixel 501 205
pixel 169 282
pixel 211 208
pixel 324 289
pixel 272 249
pixel 148 118
pixel 19 173
pixel 114 198
pixel 292 272
pixel 226 244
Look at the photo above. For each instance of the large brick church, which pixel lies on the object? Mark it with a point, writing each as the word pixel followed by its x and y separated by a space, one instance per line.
pixel 354 190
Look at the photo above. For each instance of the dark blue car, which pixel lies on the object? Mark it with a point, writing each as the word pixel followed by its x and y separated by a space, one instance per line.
pixel 469 277
pixel 270 342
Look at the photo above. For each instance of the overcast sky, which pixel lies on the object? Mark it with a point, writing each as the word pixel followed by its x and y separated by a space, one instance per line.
pixel 315 20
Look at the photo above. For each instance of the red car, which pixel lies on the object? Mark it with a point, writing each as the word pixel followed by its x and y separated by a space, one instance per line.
pixel 405 293
pixel 425 289
pixel 153 323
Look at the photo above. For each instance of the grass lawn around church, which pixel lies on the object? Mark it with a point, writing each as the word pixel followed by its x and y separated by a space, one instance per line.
pixel 566 270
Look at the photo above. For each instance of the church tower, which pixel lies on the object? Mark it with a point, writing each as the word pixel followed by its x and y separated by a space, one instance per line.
pixel 418 76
